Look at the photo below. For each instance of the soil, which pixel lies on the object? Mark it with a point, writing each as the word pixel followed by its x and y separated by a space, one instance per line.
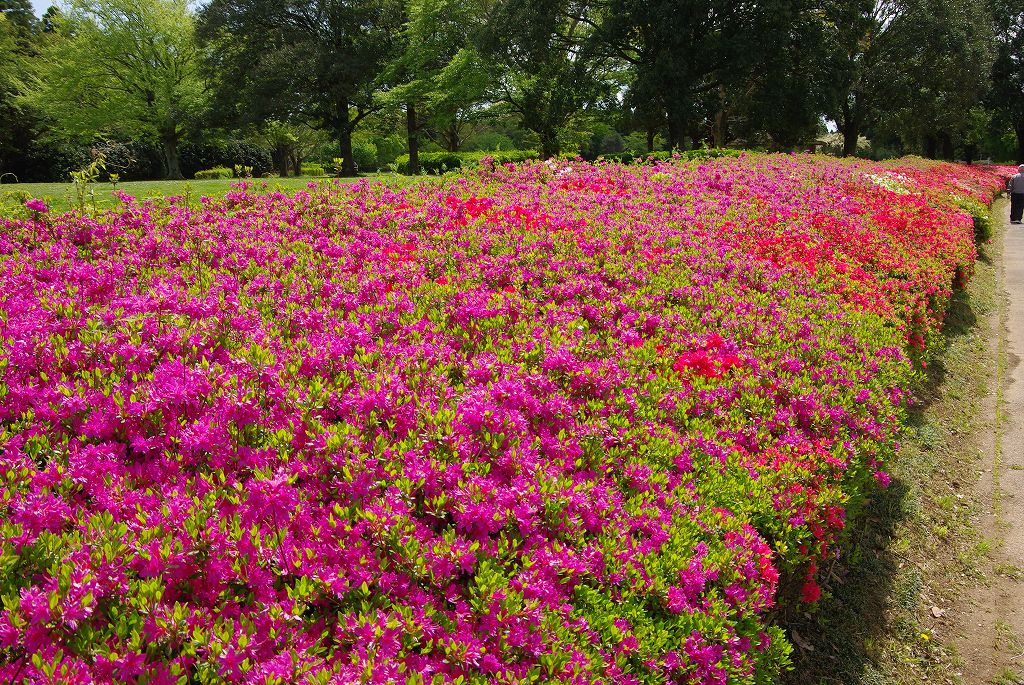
pixel 989 635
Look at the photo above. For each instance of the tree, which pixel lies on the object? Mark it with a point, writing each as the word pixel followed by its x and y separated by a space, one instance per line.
pixel 780 102
pixel 22 21
pixel 945 63
pixel 122 68
pixel 548 70
pixel 1007 95
pixel 686 57
pixel 315 61
pixel 437 75
pixel 10 112
pixel 914 68
pixel 291 144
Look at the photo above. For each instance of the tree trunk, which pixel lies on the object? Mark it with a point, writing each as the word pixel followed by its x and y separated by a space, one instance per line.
pixel 650 139
pixel 281 154
pixel 675 137
pixel 549 144
pixel 721 119
pixel 930 147
pixel 412 129
pixel 946 143
pixel 850 128
pixel 169 140
pixel 1018 128
pixel 344 133
pixel 451 137
pixel 695 137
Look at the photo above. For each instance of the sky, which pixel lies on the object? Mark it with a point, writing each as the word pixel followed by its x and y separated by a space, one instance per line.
pixel 40 6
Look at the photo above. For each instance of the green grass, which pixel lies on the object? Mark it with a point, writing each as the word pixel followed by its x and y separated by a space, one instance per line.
pixel 61 196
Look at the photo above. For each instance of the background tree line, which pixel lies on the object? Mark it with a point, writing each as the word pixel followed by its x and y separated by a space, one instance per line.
pixel 169 87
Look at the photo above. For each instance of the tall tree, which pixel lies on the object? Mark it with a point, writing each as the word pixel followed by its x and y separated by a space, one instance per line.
pixel 686 55
pixel 548 70
pixel 780 102
pixel 10 113
pixel 317 61
pixel 945 63
pixel 122 67
pixel 1007 94
pixel 913 67
pixel 20 16
pixel 437 75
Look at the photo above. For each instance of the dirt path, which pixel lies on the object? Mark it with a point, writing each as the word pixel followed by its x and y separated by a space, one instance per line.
pixel 991 639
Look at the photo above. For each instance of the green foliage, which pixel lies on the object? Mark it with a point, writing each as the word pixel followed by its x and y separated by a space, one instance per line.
pixel 218 153
pixel 440 162
pixel 489 141
pixel 687 67
pixel 1006 98
pixel 218 172
pixel 83 182
pixel 980 214
pixel 437 68
pixel 312 169
pixel 15 128
pixel 550 65
pixel 125 68
pixel 365 154
pixel 325 59
pixel 12 203
pixel 664 155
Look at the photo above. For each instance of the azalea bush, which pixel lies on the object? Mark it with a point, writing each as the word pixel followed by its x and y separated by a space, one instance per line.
pixel 555 422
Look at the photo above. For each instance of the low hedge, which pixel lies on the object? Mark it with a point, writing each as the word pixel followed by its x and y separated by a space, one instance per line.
pixel 665 155
pixel 980 214
pixel 311 169
pixel 440 162
pixel 215 173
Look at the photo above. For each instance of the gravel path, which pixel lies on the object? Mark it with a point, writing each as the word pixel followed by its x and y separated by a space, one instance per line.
pixel 992 645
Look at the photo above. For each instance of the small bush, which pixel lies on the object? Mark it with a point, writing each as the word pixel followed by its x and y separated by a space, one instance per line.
pixel 310 169
pixel 440 162
pixel 980 214
pixel 215 173
pixel 365 155
pixel 699 154
pixel 206 156
pixel 432 162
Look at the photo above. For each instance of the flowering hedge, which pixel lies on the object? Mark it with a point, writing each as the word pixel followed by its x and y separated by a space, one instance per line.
pixel 557 422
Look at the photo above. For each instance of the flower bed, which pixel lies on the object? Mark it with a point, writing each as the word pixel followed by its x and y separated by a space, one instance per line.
pixel 556 422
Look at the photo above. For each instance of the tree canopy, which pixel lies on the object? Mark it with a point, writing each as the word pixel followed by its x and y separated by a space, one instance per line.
pixel 122 68
pixel 367 80
pixel 304 60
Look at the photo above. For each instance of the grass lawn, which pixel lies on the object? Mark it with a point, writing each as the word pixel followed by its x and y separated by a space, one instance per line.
pixel 61 196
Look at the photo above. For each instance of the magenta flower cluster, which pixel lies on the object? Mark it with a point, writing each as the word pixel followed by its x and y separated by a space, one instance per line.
pixel 550 423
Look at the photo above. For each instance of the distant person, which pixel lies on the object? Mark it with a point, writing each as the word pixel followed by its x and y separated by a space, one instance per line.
pixel 1016 187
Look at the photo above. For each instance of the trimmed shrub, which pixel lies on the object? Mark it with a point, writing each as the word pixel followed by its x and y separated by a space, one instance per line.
pixel 204 156
pixel 440 162
pixel 536 423
pixel 980 214
pixel 210 174
pixel 699 154
pixel 312 169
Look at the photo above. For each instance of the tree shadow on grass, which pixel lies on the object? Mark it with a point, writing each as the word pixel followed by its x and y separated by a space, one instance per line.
pixel 841 642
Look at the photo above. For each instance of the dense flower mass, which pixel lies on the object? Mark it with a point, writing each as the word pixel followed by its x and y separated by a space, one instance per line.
pixel 550 423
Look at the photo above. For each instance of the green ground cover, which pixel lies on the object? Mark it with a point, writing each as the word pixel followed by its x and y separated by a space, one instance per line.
pixel 61 197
